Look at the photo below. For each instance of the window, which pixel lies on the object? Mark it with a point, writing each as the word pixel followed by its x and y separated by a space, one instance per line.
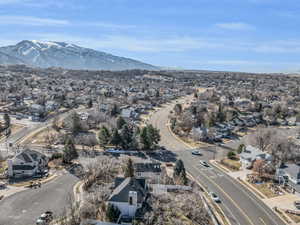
pixel 130 200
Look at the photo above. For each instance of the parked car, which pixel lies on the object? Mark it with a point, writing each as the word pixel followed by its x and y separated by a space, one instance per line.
pixel 196 152
pixel 214 197
pixel 45 218
pixel 204 163
pixel 297 204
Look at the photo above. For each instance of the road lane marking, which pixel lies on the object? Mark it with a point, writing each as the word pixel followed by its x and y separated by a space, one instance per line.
pixel 233 202
pixel 231 214
pixel 261 219
pixel 253 200
pixel 270 217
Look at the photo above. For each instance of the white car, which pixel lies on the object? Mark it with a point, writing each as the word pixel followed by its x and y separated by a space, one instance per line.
pixel 214 197
pixel 204 163
pixel 45 218
pixel 196 152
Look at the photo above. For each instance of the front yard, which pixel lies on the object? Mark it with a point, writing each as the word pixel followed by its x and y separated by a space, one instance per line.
pixel 265 189
pixel 231 164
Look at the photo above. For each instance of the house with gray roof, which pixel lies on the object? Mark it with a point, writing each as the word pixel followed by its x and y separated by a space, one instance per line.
pixel 250 154
pixel 289 172
pixel 26 163
pixel 129 195
pixel 147 170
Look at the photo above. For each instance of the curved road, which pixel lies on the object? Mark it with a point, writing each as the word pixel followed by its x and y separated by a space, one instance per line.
pixel 240 206
pixel 26 206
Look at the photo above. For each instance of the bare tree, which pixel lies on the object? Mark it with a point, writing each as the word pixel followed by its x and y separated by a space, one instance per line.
pixel 262 138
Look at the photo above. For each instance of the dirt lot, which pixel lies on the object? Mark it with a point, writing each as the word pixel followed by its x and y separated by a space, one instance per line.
pixel 41 137
pixel 232 165
pixel 264 189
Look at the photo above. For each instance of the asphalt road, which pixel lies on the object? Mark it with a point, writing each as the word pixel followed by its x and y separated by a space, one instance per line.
pixel 23 208
pixel 240 206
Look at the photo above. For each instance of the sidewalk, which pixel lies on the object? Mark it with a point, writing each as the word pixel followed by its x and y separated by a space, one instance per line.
pixel 10 190
pixel 282 202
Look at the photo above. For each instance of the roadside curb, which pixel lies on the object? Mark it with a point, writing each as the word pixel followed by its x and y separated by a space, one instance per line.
pixel 257 194
pixel 219 166
pixel 215 214
pixel 77 191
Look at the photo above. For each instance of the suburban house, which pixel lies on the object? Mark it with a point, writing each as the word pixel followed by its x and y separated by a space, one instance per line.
pixel 147 170
pixel 289 172
pixel 250 154
pixel 129 195
pixel 128 113
pixel 26 164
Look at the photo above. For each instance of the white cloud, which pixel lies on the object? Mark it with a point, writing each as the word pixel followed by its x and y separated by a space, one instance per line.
pixel 32 21
pixel 235 26
pixel 38 21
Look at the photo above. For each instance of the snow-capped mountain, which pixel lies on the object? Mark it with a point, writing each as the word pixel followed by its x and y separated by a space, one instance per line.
pixel 61 54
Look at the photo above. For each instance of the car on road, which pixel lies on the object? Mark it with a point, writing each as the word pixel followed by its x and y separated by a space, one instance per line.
pixel 214 197
pixel 204 163
pixel 196 152
pixel 45 218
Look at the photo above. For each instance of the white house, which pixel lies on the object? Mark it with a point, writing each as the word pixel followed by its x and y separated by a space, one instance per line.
pixel 128 195
pixel 26 164
pixel 250 154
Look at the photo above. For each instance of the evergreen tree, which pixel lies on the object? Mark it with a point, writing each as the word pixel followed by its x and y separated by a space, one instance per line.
pixel 144 138
pixel 114 111
pixel 75 123
pixel 153 136
pixel 180 173
pixel 179 167
pixel 116 138
pixel 90 103
pixel 112 213
pixel 129 169
pixel 240 148
pixel 127 137
pixel 149 137
pixel 70 151
pixel 103 136
pixel 6 119
pixel 120 122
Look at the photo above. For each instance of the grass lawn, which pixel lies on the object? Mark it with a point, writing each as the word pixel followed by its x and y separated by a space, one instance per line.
pixel 231 164
pixel 263 188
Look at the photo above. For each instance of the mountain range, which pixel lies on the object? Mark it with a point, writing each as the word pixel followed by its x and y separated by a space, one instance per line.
pixel 65 55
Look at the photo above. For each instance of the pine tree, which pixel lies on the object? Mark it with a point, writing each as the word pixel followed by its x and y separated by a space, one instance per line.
pixel 114 111
pixel 112 213
pixel 129 170
pixel 179 167
pixel 103 136
pixel 127 137
pixel 180 173
pixel 120 122
pixel 116 138
pixel 153 136
pixel 90 103
pixel 6 119
pixel 144 138
pixel 70 151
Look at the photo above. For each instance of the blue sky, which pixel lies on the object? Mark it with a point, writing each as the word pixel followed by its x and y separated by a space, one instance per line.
pixel 236 35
